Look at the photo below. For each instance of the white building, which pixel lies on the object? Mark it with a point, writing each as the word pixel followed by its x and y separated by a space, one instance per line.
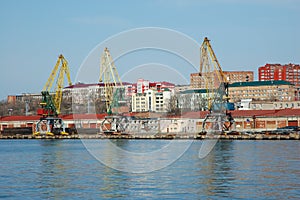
pixel 193 99
pixel 151 100
pixel 179 125
pixel 249 104
pixel 142 85
pixel 161 100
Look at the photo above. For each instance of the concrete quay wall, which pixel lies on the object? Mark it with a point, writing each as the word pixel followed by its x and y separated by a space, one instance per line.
pixel 166 125
pixel 253 136
pixel 191 122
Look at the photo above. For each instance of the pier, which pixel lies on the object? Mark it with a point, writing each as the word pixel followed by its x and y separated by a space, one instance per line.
pixel 240 136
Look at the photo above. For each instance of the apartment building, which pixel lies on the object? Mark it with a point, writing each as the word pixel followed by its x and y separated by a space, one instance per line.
pixel 151 101
pixel 232 77
pixel 289 72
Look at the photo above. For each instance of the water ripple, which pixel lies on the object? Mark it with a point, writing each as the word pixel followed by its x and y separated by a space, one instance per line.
pixel 60 169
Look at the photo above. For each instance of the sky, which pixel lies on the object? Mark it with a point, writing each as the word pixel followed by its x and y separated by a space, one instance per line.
pixel 245 34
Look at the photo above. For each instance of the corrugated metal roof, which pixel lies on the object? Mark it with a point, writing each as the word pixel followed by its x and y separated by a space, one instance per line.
pixel 64 117
pixel 289 112
pixel 20 118
pixel 192 91
pixel 86 85
pixel 259 83
pixel 195 115
pixel 83 116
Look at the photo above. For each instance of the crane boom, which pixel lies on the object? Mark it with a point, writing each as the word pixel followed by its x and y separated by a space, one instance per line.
pixel 216 85
pixel 206 46
pixel 60 69
pixel 114 91
pixel 51 106
pixel 64 70
pixel 212 74
pixel 110 76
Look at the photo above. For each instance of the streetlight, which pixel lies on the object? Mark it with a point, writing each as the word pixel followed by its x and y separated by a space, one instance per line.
pixel 10 111
pixel 26 107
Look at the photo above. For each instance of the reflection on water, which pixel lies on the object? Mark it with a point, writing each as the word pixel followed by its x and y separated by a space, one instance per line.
pixel 62 169
pixel 217 169
pixel 137 156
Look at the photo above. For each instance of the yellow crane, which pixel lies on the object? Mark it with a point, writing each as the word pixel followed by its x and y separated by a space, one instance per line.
pixel 51 104
pixel 60 69
pixel 216 85
pixel 114 92
pixel 111 79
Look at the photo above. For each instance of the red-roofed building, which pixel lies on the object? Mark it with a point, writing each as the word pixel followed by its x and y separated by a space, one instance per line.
pixel 188 122
pixel 143 85
pixel 18 121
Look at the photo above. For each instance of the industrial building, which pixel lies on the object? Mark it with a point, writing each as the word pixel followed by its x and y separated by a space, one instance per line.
pixel 255 95
pixel 262 90
pixel 250 104
pixel 253 120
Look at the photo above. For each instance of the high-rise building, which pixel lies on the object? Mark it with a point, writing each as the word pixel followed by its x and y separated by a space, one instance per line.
pixel 289 72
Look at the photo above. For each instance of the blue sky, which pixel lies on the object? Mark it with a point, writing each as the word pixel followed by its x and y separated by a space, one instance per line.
pixel 244 34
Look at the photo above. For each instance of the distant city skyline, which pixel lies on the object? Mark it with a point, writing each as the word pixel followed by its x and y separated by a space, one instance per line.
pixel 245 34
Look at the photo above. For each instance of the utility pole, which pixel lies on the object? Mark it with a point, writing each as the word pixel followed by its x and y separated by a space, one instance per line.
pixel 27 107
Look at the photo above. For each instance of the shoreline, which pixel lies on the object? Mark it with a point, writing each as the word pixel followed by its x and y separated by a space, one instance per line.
pixel 255 136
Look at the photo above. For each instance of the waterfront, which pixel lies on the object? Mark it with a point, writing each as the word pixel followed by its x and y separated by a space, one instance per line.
pixel 60 169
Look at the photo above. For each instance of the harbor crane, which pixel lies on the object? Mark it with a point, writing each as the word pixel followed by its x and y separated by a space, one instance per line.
pixel 50 123
pixel 111 79
pixel 219 118
pixel 114 95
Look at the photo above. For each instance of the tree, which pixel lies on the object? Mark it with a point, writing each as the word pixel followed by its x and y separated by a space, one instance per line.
pixel 66 105
pixel 172 106
pixel 17 108
pixel 100 106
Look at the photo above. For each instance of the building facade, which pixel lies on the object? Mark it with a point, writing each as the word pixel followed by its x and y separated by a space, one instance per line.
pixel 192 100
pixel 23 97
pixel 289 72
pixel 262 90
pixel 151 101
pixel 239 76
pixel 151 96
pixel 232 76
